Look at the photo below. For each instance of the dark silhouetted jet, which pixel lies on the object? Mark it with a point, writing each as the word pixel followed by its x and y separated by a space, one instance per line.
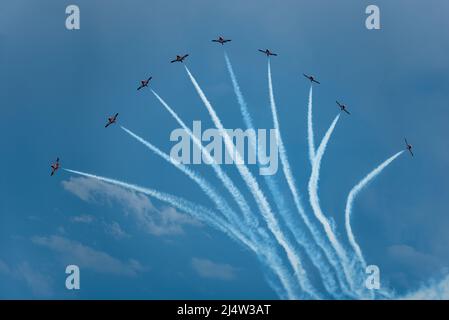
pixel 144 83
pixel 221 40
pixel 311 78
pixel 111 120
pixel 268 52
pixel 179 58
pixel 54 167
pixel 409 146
pixel 342 107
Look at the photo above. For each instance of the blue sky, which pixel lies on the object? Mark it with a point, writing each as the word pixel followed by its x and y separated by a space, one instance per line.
pixel 59 86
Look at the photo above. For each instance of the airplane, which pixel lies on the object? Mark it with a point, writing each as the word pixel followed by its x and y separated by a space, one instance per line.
pixel 144 83
pixel 221 40
pixel 111 120
pixel 180 58
pixel 342 107
pixel 409 146
pixel 311 78
pixel 268 52
pixel 54 167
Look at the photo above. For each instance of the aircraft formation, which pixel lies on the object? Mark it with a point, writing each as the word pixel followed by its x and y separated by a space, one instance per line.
pixel 180 58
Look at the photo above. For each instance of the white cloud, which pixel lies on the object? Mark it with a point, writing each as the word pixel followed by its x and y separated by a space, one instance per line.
pixel 39 283
pixel 4 268
pixel 91 190
pixel 111 228
pixel 61 230
pixel 435 290
pixel 419 263
pixel 84 218
pixel 209 269
pixel 167 221
pixel 115 230
pixel 87 257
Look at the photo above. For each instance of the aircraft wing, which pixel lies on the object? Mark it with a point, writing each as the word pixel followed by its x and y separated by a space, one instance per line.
pixel 346 111
pixel 273 54
pixel 173 61
pixel 262 51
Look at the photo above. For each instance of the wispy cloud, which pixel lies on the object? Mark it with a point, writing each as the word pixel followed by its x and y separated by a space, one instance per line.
pixel 419 264
pixel 4 268
pixel 61 230
pixel 209 269
pixel 84 218
pixel 115 230
pixel 39 283
pixel 435 290
pixel 112 228
pixel 166 221
pixel 170 221
pixel 88 257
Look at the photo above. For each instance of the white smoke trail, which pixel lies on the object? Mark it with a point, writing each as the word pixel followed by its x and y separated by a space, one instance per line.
pixel 226 181
pixel 242 103
pixel 313 189
pixel 224 178
pixel 208 189
pixel 310 134
pixel 312 155
pixel 194 210
pixel 314 255
pixel 350 200
pixel 315 203
pixel 283 153
pixel 260 198
pixel 209 217
pixel 292 185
